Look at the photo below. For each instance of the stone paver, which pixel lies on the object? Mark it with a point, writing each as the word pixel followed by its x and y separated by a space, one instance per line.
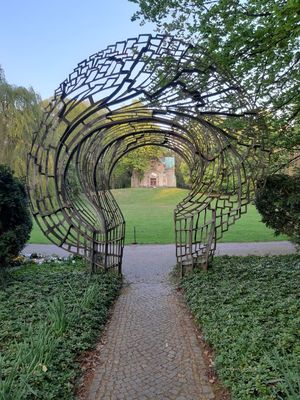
pixel 151 349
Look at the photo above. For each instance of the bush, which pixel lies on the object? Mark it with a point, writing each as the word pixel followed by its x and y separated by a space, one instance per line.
pixel 278 202
pixel 15 219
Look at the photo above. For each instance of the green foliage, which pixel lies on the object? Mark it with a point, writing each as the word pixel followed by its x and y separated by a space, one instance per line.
pixel 182 172
pixel 287 366
pixel 253 44
pixel 248 309
pixel 50 314
pixel 15 219
pixel 57 315
pixel 278 201
pixel 20 113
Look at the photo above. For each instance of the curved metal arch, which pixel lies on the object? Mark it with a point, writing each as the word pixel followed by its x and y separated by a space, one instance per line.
pixel 145 90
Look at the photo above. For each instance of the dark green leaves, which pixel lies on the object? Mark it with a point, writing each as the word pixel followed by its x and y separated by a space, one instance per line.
pixel 278 201
pixel 253 44
pixel 15 219
pixel 49 315
pixel 249 311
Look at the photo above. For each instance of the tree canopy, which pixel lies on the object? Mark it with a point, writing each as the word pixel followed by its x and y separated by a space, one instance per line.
pixel 252 43
pixel 20 112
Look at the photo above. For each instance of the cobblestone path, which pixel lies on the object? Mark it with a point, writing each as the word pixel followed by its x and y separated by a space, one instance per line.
pixel 151 351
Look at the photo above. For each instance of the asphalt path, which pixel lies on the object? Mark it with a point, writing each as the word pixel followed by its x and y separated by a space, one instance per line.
pixel 161 256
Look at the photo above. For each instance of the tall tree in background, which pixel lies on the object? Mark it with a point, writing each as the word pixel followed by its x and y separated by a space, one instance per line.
pixel 20 113
pixel 252 43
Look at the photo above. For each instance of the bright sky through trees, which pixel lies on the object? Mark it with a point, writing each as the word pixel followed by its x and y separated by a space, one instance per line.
pixel 42 42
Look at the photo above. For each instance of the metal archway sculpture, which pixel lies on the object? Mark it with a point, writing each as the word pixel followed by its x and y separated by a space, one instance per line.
pixel 142 91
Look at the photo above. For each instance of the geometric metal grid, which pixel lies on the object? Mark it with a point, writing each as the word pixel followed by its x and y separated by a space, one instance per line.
pixel 143 91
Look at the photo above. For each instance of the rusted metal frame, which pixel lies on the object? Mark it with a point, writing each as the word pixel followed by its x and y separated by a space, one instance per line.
pixel 76 153
pixel 143 144
pixel 191 240
pixel 156 132
pixel 179 152
pixel 75 211
pixel 169 104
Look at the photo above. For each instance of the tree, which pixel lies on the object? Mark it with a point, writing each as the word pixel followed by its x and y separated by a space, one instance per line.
pixel 20 113
pixel 253 44
pixel 15 219
pixel 278 201
pixel 182 172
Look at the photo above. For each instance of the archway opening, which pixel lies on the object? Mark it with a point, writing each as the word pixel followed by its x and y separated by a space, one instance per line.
pixel 147 206
pixel 140 92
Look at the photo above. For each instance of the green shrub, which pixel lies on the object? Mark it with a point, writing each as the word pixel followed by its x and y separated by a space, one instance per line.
pixel 15 220
pixel 278 201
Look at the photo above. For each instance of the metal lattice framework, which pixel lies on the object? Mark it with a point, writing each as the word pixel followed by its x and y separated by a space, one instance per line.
pixel 143 91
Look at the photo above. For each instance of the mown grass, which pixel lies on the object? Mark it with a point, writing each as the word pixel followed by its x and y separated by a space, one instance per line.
pixel 150 211
pixel 248 309
pixel 49 315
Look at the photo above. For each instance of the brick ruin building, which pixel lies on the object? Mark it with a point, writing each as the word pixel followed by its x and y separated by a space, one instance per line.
pixel 160 173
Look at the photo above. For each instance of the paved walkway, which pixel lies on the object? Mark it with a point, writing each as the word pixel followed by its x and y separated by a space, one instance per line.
pixel 167 251
pixel 151 350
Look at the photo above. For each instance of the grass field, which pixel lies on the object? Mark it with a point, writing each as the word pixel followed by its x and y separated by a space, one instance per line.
pixel 150 211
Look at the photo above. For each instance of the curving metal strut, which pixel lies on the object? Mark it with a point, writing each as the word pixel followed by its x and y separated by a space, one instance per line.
pixel 143 91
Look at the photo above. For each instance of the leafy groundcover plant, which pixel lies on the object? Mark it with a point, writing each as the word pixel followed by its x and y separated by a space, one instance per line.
pixel 50 314
pixel 248 309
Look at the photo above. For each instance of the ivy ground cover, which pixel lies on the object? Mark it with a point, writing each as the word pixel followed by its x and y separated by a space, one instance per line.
pixel 49 315
pixel 248 309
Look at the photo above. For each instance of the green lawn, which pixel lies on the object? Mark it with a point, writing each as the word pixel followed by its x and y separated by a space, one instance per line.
pixel 50 314
pixel 248 309
pixel 150 211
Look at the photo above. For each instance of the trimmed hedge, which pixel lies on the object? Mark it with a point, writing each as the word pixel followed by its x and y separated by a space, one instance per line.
pixel 15 219
pixel 278 202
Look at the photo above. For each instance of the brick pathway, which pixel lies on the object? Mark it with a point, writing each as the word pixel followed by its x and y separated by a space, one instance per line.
pixel 151 351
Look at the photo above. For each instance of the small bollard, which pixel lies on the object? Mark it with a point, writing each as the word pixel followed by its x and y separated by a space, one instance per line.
pixel 134 236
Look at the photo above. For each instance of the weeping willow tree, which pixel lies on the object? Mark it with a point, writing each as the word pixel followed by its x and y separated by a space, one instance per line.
pixel 20 114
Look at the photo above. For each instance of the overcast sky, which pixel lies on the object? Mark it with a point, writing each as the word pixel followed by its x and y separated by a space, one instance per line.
pixel 41 42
